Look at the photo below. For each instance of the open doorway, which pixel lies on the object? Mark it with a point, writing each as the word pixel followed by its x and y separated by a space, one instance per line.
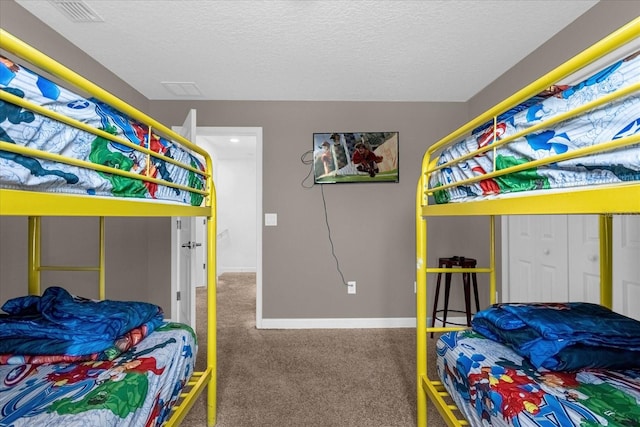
pixel 237 169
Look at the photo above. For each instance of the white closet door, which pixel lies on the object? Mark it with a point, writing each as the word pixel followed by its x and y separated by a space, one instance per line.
pixel 537 259
pixel 533 247
pixel 584 258
pixel 626 265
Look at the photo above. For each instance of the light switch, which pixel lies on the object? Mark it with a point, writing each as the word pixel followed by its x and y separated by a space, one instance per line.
pixel 270 219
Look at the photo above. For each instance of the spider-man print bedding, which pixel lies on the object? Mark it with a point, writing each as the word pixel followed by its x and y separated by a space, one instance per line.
pixel 612 121
pixel 494 386
pixel 36 131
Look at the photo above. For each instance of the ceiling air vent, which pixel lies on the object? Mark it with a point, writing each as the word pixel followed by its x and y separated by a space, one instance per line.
pixel 77 11
pixel 182 88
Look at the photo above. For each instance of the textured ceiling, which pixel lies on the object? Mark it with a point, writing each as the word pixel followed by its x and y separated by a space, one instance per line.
pixel 343 50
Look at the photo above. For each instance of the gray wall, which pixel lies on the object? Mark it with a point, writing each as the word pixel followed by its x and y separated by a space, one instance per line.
pixel 372 225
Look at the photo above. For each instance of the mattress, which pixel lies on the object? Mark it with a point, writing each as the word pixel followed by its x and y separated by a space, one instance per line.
pixel 493 386
pixel 30 129
pixel 135 389
pixel 615 120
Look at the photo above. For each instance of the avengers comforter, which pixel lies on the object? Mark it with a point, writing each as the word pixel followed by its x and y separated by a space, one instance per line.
pixel 493 385
pixel 130 375
pixel 612 121
pixel 33 130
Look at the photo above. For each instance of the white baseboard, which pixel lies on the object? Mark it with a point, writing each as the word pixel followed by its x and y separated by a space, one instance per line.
pixel 221 270
pixel 348 323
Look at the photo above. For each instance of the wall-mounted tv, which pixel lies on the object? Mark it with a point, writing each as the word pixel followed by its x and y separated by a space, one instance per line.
pixel 355 157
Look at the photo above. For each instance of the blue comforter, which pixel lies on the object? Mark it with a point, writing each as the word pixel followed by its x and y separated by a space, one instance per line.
pixel 59 323
pixel 564 336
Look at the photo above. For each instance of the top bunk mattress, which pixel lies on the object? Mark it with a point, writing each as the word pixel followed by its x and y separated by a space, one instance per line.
pixel 26 127
pixel 611 121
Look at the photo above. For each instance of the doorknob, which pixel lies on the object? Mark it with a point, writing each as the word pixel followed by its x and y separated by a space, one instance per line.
pixel 191 245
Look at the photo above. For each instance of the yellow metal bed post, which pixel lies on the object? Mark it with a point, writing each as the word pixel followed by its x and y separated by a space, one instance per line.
pixel 212 286
pixel 101 264
pixel 421 306
pixel 606 260
pixel 34 255
pixel 492 259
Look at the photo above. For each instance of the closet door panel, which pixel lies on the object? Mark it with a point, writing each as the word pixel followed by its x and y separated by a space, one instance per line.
pixel 626 265
pixel 584 258
pixel 537 260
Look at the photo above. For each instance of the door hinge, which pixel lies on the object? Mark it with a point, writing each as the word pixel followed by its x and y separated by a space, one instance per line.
pixel 179 224
pixel 204 266
pixel 178 296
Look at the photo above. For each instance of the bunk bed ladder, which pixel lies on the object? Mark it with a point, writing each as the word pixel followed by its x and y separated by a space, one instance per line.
pixel 427 387
pixel 36 267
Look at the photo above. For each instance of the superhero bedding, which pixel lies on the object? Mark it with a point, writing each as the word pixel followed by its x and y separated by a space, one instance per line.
pixel 69 361
pixel 505 383
pixel 611 121
pixel 33 130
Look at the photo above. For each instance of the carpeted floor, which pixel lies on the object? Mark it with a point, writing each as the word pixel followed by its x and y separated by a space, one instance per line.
pixel 317 377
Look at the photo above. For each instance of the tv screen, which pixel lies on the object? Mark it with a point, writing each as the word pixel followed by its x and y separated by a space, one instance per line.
pixel 355 157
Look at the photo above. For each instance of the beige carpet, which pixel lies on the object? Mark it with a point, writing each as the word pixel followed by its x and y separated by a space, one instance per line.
pixel 282 378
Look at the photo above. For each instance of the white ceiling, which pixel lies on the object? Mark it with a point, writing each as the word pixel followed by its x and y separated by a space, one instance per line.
pixel 342 50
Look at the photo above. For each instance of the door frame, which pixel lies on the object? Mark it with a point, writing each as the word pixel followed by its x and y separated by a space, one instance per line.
pixel 257 133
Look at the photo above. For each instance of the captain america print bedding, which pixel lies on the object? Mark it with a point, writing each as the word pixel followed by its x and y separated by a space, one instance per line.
pixel 612 121
pixel 33 130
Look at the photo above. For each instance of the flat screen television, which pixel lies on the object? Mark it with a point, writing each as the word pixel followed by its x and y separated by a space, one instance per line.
pixel 355 157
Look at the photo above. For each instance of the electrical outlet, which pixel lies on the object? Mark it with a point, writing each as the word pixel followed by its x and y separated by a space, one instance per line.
pixel 351 287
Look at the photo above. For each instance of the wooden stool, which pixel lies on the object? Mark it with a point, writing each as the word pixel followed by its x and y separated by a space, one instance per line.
pixel 456 261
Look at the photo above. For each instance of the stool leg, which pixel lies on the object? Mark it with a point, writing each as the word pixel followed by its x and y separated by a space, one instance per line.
pixel 447 289
pixel 475 290
pixel 467 296
pixel 435 302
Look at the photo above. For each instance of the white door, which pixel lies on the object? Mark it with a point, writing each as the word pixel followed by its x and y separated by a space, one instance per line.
pixel 626 265
pixel 183 242
pixel 583 250
pixel 186 287
pixel 200 251
pixel 536 263
pixel 583 260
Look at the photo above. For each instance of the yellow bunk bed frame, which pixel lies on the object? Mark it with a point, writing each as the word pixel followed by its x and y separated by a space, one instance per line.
pixel 604 201
pixel 35 205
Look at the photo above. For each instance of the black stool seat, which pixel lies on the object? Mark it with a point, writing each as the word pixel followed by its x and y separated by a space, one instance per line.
pixel 467 278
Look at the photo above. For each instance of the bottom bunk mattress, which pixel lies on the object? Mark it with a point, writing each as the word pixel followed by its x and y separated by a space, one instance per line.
pixel 137 388
pixel 494 386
